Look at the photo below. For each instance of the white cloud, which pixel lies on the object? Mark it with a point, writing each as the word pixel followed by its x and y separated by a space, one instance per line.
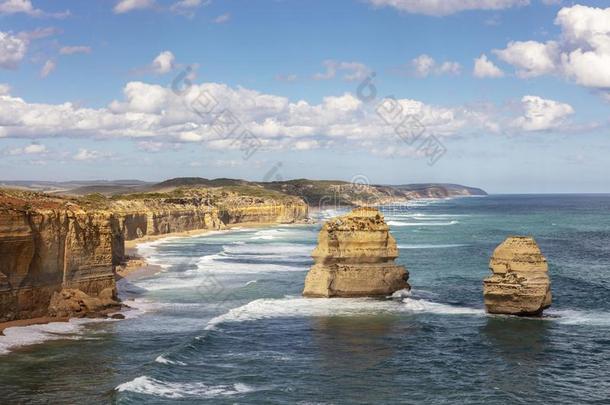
pixel 48 67
pixel 8 7
pixel 424 65
pixel 446 7
pixel 221 19
pixel 452 68
pixel 483 67
pixel 71 50
pixel 12 50
pixel 125 6
pixel 154 116
pixel 163 63
pixel 581 53
pixel 5 89
pixel 530 57
pixel 187 6
pixel 84 154
pixel 151 146
pixel 19 6
pixel 352 71
pixel 32 149
pixel 540 114
pixel 184 7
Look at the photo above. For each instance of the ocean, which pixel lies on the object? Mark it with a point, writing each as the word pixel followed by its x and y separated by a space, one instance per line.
pixel 224 321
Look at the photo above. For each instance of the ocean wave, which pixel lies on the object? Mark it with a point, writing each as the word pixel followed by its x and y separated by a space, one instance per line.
pixel 578 317
pixel 163 360
pixel 312 307
pixel 402 223
pixel 20 336
pixel 430 246
pixel 272 249
pixel 174 390
pixel 216 264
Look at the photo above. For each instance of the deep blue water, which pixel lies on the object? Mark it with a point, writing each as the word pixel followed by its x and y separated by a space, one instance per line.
pixel 225 323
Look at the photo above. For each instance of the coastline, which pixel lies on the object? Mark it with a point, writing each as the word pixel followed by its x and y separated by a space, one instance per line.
pixel 135 267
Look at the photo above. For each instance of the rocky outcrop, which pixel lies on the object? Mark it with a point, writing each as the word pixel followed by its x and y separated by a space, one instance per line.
pixel 58 255
pixel 355 258
pixel 520 283
pixel 71 302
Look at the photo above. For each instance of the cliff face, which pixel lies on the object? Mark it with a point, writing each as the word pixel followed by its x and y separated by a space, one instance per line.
pixel 45 250
pixel 355 257
pixel 520 283
pixel 60 249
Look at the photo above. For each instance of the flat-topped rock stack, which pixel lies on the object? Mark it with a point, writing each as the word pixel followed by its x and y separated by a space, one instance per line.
pixel 520 283
pixel 355 258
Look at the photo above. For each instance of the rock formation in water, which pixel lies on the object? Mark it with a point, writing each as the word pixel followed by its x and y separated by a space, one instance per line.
pixel 520 283
pixel 355 258
pixel 58 255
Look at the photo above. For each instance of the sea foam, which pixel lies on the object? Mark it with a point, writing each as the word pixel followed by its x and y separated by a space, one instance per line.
pixel 312 307
pixel 174 390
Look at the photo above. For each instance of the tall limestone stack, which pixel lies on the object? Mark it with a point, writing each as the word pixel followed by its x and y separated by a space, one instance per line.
pixel 355 258
pixel 520 283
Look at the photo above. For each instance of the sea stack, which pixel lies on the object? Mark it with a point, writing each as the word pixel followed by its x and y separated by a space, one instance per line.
pixel 520 283
pixel 355 258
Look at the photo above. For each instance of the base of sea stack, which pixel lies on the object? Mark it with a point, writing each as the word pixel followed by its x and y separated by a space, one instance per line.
pixel 515 299
pixel 344 280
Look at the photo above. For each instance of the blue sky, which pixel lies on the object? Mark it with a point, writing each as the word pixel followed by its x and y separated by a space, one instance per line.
pixel 513 94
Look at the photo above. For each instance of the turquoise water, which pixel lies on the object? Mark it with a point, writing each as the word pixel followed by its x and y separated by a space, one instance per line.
pixel 225 323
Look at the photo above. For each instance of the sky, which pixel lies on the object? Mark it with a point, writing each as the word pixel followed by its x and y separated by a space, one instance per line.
pixel 508 95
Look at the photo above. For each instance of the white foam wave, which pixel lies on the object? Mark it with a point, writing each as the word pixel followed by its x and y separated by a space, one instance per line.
pixel 311 307
pixel 19 336
pixel 438 308
pixel 173 390
pixel 576 317
pixel 163 360
pixel 272 249
pixel 430 246
pixel 402 223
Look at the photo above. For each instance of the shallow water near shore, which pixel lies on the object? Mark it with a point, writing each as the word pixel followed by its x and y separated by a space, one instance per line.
pixel 224 321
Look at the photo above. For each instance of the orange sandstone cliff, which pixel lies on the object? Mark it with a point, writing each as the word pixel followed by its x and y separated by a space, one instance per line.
pixel 58 255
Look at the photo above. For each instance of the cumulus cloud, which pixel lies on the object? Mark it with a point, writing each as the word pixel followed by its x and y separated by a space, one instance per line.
pixel 12 50
pixel 71 50
pixel 483 67
pixel 155 118
pixel 581 53
pixel 48 67
pixel 351 71
pixel 447 7
pixel 125 6
pixel 163 63
pixel 540 114
pixel 531 58
pixel 8 7
pixel 424 65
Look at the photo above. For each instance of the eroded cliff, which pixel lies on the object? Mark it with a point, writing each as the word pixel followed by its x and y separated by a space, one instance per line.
pixel 52 246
